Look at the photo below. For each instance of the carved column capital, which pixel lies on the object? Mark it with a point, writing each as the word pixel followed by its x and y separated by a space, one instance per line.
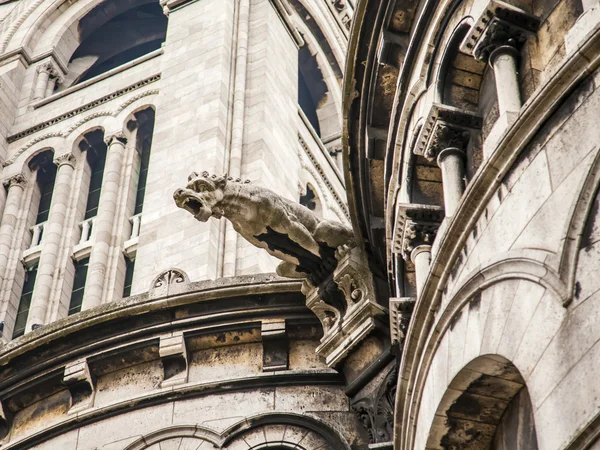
pixel 114 137
pixel 67 158
pixel 500 25
pixel 416 225
pixel 16 180
pixel 445 127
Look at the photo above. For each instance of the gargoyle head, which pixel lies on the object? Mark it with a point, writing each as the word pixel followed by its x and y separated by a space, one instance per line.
pixel 201 195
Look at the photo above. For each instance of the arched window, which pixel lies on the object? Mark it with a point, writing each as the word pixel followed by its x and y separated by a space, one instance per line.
pixel 108 41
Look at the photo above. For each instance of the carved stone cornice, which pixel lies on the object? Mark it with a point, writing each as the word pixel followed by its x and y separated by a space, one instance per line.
pixel 16 180
pixel 67 158
pixel 111 138
pixel 345 305
pixel 500 24
pixel 445 127
pixel 416 225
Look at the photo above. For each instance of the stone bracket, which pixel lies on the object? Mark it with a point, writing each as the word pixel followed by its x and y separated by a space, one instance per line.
pixel 81 384
pixel 445 127
pixel 5 420
pixel 499 24
pixel 415 225
pixel 173 353
pixel 347 325
pixel 275 345
pixel 400 313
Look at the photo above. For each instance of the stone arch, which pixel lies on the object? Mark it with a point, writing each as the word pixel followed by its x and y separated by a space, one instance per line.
pixel 283 430
pixel 475 410
pixel 177 437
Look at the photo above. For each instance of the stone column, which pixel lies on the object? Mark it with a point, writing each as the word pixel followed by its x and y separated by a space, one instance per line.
pixel 16 187
pixel 451 161
pixel 53 232
pixel 504 61
pixel 495 37
pixel 52 82
pixel 445 137
pixel 414 235
pixel 103 224
pixel 421 258
pixel 45 71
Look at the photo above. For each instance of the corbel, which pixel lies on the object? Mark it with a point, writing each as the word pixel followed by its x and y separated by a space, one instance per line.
pixel 81 384
pixel 173 353
pixel 6 418
pixel 498 25
pixel 416 225
pixel 275 345
pixel 444 127
pixel 400 313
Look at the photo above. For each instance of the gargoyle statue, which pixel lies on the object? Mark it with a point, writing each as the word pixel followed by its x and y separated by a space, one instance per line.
pixel 287 230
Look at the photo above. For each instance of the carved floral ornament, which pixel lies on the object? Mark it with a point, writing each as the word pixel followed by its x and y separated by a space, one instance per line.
pixel 416 225
pixel 67 158
pixel 500 24
pixel 171 276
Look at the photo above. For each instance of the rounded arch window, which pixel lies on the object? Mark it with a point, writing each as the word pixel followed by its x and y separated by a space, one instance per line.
pixel 111 41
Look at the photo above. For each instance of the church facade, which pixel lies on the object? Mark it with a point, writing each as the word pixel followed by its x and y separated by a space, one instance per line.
pixel 438 284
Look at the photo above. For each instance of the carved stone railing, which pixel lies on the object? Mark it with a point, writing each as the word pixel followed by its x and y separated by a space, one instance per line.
pixel 131 244
pixel 84 246
pixel 345 304
pixel 32 255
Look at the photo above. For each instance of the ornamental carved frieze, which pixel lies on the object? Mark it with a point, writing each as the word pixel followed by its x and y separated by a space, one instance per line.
pixel 500 24
pixel 415 225
pixel 168 277
pixel 376 412
pixel 445 127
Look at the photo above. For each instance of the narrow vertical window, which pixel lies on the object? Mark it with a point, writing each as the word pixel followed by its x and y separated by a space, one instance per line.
pixel 46 178
pixel 141 187
pixel 145 119
pixel 25 302
pixel 96 158
pixel 81 269
pixel 129 268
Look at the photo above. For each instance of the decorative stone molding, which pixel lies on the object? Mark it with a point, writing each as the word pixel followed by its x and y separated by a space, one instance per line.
pixel 173 352
pixel 376 413
pixel 81 384
pixel 16 180
pixel 416 225
pixel 171 276
pixel 84 108
pixel 445 127
pixel 67 158
pixel 500 24
pixel 275 345
pixel 400 313
pixel 345 304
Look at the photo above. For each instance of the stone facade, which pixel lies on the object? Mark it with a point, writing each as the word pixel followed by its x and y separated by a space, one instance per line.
pixel 124 322
pixel 478 197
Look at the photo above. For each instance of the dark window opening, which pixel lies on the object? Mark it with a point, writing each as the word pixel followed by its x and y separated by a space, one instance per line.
pixel 45 178
pixel 146 127
pixel 25 302
pixel 81 269
pixel 308 199
pixel 112 36
pixel 312 90
pixel 96 157
pixel 129 268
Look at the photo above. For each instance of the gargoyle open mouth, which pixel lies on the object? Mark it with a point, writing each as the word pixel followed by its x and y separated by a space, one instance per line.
pixel 188 200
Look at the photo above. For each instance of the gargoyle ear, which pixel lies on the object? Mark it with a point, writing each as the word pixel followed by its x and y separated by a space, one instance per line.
pixel 192 176
pixel 204 185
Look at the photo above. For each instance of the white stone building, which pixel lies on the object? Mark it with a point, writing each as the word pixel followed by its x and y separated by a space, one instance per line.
pixel 125 323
